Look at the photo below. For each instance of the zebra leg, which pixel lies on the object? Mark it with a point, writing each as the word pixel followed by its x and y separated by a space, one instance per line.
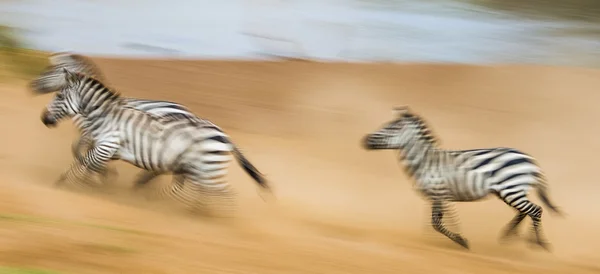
pixel 535 213
pixel 207 196
pixel 169 192
pixel 77 147
pixel 178 181
pixel 82 146
pixel 61 180
pixel 511 228
pixel 176 190
pixel 437 215
pixel 94 161
pixel 526 207
pixel 75 174
pixel 82 143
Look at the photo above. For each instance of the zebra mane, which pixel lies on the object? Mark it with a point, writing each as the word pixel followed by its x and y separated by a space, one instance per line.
pixel 113 95
pixel 68 58
pixel 64 56
pixel 81 58
pixel 88 61
pixel 96 82
pixel 425 130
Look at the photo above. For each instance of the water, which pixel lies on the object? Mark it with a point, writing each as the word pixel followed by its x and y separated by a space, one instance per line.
pixel 351 30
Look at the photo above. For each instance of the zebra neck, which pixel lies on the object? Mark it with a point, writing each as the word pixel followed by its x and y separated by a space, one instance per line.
pixel 107 107
pixel 90 124
pixel 415 156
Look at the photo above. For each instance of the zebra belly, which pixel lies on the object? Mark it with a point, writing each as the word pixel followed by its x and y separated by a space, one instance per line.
pixel 127 156
pixel 468 187
pixel 158 156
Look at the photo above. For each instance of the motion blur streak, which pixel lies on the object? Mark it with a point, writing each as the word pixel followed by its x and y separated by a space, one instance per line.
pixel 340 209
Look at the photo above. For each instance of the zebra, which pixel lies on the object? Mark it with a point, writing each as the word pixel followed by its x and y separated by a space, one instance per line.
pixel 444 176
pixel 193 149
pixel 52 79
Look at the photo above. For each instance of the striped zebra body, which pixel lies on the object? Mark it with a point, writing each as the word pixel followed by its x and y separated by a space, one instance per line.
pixel 52 79
pixel 444 176
pixel 194 150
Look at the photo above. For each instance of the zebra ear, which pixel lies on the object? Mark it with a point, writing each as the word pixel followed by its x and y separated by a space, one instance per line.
pixel 58 58
pixel 400 111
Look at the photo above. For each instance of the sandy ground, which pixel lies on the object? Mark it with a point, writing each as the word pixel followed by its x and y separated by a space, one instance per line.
pixel 340 209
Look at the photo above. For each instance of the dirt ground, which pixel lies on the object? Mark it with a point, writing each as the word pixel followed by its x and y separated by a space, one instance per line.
pixel 340 209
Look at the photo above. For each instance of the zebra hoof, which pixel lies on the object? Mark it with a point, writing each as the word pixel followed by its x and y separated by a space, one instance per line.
pixel 462 242
pixel 540 244
pixel 509 236
pixel 60 182
pixel 266 194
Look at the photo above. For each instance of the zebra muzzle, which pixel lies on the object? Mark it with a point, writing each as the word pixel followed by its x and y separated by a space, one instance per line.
pixel 47 119
pixel 365 143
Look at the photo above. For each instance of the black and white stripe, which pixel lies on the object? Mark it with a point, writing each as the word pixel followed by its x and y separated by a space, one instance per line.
pixel 52 79
pixel 444 176
pixel 194 150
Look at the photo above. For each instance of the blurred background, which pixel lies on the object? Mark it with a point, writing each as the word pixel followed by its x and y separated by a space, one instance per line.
pixel 296 84
pixel 464 31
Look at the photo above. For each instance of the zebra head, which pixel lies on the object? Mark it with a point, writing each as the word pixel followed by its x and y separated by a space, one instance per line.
pixel 52 78
pixel 405 129
pixel 81 95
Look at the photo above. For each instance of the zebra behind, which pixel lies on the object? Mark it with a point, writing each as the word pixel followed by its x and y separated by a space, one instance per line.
pixel 53 79
pixel 194 150
pixel 444 176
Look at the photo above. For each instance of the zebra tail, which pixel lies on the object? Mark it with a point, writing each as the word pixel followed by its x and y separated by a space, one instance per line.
pixel 542 191
pixel 250 168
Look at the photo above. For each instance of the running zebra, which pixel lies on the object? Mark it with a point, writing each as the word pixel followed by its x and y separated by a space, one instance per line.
pixel 193 149
pixel 444 176
pixel 52 79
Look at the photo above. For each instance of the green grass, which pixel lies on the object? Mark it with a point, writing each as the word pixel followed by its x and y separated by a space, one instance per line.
pixel 17 61
pixel 43 220
pixel 107 248
pixel 576 10
pixel 580 10
pixel 15 270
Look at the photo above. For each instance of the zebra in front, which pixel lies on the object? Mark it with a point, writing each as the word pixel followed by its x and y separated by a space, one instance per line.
pixel 53 79
pixel 444 176
pixel 194 150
